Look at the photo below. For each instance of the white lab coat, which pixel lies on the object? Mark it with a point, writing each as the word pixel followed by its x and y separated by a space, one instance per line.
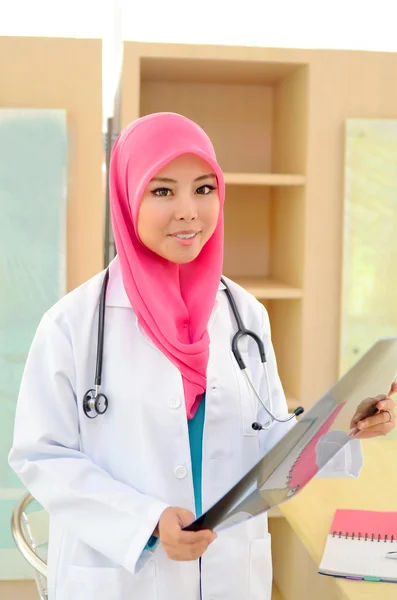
pixel 105 482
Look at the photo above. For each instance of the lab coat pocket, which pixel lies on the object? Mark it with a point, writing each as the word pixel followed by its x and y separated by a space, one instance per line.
pixel 248 401
pixel 92 583
pixel 261 572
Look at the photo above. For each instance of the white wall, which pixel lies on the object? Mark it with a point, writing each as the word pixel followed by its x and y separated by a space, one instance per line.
pixel 349 24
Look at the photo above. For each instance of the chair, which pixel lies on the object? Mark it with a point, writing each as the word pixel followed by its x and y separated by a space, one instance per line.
pixel 30 532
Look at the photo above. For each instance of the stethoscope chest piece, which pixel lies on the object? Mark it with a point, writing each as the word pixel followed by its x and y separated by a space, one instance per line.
pixel 94 404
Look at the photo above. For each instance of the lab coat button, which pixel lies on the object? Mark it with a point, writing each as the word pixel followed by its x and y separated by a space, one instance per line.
pixel 180 472
pixel 174 402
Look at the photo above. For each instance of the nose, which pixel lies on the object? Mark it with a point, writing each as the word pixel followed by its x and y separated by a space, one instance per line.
pixel 186 209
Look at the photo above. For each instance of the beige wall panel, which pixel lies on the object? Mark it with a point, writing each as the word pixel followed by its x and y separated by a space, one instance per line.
pixel 66 74
pixel 342 85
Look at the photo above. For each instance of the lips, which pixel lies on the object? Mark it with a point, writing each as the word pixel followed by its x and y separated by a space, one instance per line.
pixel 184 233
pixel 185 238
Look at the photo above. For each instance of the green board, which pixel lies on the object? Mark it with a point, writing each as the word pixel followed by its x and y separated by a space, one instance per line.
pixel 33 204
pixel 369 291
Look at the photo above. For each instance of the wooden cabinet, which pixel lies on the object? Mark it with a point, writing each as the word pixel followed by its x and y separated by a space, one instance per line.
pixel 276 118
pixel 255 114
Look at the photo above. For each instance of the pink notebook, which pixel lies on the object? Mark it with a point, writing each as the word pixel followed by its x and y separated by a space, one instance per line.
pixel 362 544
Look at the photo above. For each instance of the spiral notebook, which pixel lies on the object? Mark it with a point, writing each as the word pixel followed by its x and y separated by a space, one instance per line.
pixel 360 545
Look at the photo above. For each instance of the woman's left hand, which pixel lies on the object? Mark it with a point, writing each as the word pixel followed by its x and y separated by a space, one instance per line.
pixel 380 423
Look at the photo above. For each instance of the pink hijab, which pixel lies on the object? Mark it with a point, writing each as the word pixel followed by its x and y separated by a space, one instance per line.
pixel 173 302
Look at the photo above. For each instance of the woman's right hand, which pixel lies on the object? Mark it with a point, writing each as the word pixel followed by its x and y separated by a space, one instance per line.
pixel 178 544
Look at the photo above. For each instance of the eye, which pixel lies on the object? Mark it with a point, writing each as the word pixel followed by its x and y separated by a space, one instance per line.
pixel 162 192
pixel 205 189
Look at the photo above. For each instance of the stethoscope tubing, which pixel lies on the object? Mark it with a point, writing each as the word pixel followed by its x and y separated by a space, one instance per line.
pixel 240 333
pixel 101 332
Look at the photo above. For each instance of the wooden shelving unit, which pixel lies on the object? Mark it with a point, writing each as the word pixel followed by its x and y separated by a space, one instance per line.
pixel 255 112
pixel 67 75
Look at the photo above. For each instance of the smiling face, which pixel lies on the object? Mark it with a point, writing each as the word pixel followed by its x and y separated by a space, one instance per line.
pixel 179 209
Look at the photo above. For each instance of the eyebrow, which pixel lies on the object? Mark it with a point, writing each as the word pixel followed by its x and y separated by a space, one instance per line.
pixel 168 180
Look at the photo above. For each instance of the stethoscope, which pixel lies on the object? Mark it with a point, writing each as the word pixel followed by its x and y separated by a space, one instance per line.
pixel 96 403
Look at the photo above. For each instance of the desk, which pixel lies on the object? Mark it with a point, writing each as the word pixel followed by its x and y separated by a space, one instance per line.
pixel 299 539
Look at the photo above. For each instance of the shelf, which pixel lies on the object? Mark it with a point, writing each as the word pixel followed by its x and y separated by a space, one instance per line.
pixel 267 179
pixel 267 288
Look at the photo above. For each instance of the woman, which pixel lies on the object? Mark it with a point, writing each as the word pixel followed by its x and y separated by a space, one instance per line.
pixel 178 430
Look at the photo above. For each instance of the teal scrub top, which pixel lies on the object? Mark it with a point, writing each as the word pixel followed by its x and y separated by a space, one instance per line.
pixel 196 429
